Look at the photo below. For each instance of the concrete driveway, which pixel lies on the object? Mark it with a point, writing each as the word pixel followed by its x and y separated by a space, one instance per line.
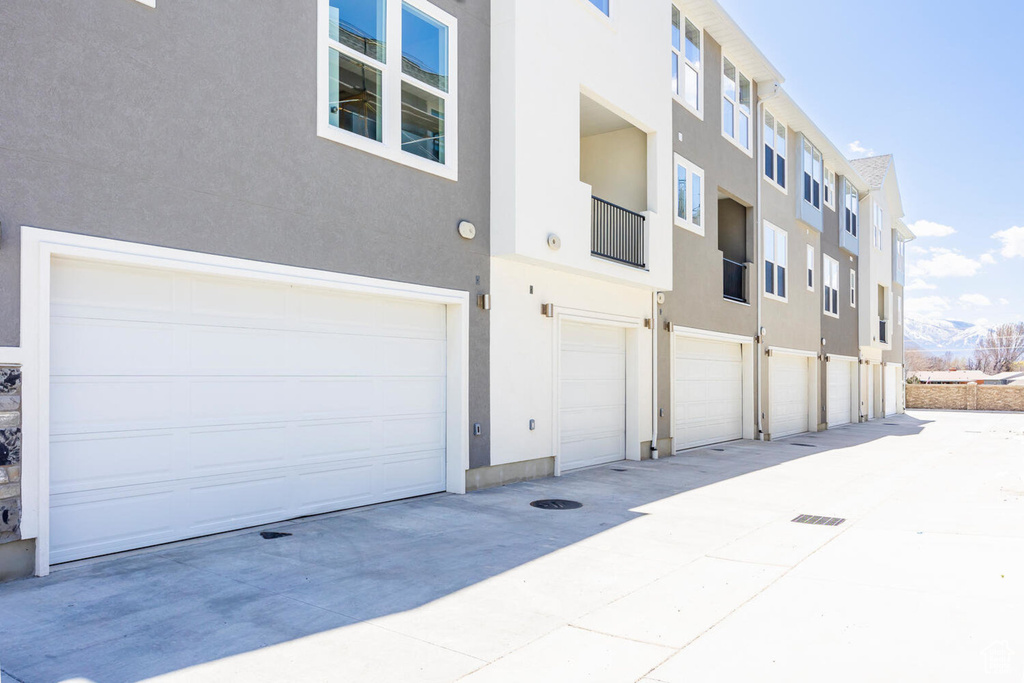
pixel 683 569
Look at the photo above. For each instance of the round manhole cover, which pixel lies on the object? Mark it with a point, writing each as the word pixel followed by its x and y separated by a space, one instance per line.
pixel 555 504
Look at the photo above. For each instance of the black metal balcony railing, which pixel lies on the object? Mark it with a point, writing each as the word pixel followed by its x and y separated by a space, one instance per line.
pixel 617 233
pixel 734 276
pixel 883 331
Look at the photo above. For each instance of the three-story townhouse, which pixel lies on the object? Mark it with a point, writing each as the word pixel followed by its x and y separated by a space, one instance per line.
pixel 581 220
pixel 232 275
pixel 882 238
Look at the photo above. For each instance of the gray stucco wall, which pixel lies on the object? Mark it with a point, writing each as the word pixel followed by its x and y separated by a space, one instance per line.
pixel 840 334
pixel 697 297
pixel 193 126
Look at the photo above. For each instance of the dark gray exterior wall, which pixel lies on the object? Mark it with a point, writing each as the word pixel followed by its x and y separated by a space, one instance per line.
pixel 697 297
pixel 193 126
pixel 841 334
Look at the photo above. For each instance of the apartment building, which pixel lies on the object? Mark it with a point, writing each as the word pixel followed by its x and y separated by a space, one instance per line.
pixel 407 247
pixel 241 253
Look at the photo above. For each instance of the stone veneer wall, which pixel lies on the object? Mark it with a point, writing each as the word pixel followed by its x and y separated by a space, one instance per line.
pixel 10 453
pixel 965 397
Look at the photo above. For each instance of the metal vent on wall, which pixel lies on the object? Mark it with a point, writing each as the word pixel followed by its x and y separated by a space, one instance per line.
pixel 819 520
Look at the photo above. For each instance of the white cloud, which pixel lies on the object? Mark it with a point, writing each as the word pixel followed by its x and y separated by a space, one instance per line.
pixel 944 263
pixel 1013 241
pixel 927 306
pixel 930 229
pixel 1004 302
pixel 987 258
pixel 859 150
pixel 919 284
pixel 981 322
pixel 975 300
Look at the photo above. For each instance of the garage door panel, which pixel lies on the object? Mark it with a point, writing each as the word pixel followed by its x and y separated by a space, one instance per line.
pixel 592 395
pixel 78 464
pixel 789 395
pixel 839 393
pixel 229 412
pixel 708 392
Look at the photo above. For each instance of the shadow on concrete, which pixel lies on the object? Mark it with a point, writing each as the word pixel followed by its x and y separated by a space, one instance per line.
pixel 162 609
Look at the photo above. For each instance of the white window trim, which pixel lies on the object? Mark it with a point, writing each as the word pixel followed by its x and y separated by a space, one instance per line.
pixel 853 288
pixel 830 185
pixel 390 146
pixel 811 269
pixel 855 209
pixel 777 230
pixel 701 83
pixel 691 170
pixel 749 151
pixel 773 181
pixel 830 268
pixel 821 181
pixel 877 218
pixel 899 310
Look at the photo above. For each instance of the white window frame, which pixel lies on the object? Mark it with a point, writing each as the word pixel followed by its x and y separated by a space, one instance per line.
pixel 736 114
pixel 683 62
pixel 821 165
pixel 830 280
pixel 851 203
pixel 811 276
pixel 692 170
pixel 899 310
pixel 775 264
pixel 877 217
pixel 390 146
pixel 781 186
pixel 853 288
pixel 829 188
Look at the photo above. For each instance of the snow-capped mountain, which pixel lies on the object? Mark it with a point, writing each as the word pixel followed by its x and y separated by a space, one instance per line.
pixel 943 336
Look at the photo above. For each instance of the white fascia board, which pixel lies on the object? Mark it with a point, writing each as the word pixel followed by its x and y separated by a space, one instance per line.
pixel 736 45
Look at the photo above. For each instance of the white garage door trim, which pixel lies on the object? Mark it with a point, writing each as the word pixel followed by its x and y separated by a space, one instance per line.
pixel 40 246
pixel 841 372
pixel 632 327
pixel 809 422
pixel 683 335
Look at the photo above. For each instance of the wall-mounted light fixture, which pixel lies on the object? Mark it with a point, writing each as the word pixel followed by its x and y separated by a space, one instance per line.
pixel 647 323
pixel 547 310
pixel 484 301
pixel 467 230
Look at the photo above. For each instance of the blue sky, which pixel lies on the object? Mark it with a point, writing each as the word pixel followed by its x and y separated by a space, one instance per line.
pixel 915 79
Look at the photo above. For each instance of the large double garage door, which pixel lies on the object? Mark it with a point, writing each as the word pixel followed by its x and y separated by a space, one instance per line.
pixel 183 404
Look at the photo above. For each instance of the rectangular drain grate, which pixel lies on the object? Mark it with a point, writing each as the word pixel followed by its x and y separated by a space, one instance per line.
pixel 805 445
pixel 819 520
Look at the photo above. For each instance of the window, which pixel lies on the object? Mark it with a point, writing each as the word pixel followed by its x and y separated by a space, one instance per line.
pixel 774 150
pixel 810 267
pixel 853 288
pixel 776 244
pixel 687 45
pixel 852 210
pixel 395 98
pixel 876 225
pixel 736 96
pixel 830 277
pixel 830 188
pixel 689 196
pixel 812 175
pixel 601 5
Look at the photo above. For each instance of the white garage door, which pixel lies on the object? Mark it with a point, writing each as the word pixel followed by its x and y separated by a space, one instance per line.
pixel 592 413
pixel 789 382
pixel 893 375
pixel 839 396
pixel 708 392
pixel 184 404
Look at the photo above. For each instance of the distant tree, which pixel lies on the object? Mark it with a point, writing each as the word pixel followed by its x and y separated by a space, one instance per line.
pixel 1001 348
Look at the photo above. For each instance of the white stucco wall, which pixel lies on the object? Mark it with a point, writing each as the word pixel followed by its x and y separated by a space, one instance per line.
pixel 524 350
pixel 544 55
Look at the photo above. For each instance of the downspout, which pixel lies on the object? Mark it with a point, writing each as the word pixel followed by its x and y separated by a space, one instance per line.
pixel 758 244
pixel 654 375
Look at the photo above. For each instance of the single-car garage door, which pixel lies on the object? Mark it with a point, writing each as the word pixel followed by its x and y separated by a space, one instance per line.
pixel 789 381
pixel 893 376
pixel 183 404
pixel 592 384
pixel 708 392
pixel 840 392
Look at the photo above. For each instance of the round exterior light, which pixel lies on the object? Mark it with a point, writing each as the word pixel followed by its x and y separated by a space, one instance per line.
pixel 467 230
